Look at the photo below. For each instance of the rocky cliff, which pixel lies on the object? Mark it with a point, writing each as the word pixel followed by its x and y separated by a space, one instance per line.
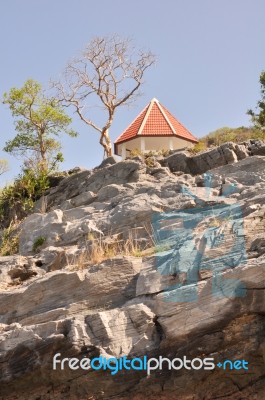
pixel 129 259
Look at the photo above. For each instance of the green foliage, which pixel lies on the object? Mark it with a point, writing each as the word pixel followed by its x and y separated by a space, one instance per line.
pixel 17 199
pixel 38 120
pixel 38 243
pixel 164 152
pixel 225 134
pixel 258 118
pixel 148 157
pixel 9 241
pixel 150 161
pixel 136 152
pixel 198 147
pixel 152 153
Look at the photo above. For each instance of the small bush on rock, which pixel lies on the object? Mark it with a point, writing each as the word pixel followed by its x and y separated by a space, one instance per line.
pixel 9 240
pixel 17 199
pixel 38 243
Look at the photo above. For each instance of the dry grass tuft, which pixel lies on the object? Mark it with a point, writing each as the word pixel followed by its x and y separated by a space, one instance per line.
pixel 103 248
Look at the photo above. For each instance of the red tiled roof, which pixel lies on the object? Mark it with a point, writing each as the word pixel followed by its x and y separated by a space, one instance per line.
pixel 155 120
pixel 133 128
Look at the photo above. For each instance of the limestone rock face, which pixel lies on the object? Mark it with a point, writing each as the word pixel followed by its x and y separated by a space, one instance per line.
pixel 225 154
pixel 128 260
pixel 17 269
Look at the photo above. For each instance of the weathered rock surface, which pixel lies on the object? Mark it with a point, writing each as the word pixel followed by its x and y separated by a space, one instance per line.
pixel 16 269
pixel 227 153
pixel 114 279
pixel 130 260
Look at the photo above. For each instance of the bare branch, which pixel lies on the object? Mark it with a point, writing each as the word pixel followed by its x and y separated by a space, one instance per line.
pixel 110 70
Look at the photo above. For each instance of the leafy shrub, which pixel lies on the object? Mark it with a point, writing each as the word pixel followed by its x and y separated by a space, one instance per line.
pixel 9 241
pixel 136 152
pixel 236 135
pixel 201 146
pixel 226 134
pixel 17 199
pixel 38 243
pixel 149 157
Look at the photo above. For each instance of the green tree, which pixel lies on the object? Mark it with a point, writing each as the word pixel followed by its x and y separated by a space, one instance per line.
pixel 38 121
pixel 258 118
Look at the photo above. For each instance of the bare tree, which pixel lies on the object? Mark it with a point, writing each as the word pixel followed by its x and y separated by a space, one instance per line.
pixel 110 69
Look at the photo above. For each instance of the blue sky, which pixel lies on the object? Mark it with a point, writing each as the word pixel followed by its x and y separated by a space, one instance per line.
pixel 210 55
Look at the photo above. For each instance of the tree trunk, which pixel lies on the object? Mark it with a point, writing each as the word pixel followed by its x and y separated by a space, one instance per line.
pixel 43 163
pixel 106 143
